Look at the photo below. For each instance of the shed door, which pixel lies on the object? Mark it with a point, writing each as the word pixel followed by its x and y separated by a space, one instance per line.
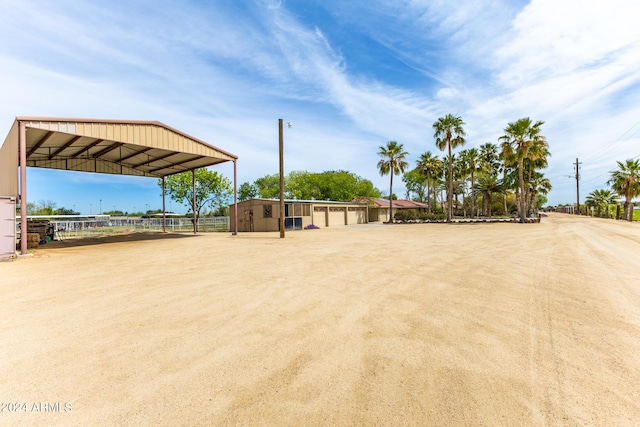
pixel 7 226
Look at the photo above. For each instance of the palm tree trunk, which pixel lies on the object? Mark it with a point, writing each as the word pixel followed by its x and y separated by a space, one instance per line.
pixel 428 192
pixel 391 198
pixel 523 199
pixel 450 192
pixel 504 199
pixel 473 197
pixel 504 196
pixel 529 198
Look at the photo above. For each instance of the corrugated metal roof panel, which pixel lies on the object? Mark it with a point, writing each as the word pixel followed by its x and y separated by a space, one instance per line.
pixel 128 147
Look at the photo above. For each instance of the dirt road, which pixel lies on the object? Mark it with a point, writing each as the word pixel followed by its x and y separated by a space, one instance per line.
pixel 470 324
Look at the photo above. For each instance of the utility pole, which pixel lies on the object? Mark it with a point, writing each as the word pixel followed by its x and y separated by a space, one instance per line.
pixel 281 149
pixel 578 186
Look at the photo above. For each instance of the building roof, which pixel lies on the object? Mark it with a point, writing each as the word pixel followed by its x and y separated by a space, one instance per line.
pixel 315 201
pixel 384 203
pixel 121 147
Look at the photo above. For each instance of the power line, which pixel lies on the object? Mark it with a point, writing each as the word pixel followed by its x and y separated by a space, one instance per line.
pixel 608 148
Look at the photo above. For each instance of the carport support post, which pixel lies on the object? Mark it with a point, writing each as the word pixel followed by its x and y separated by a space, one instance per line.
pixel 22 136
pixel 235 200
pixel 164 209
pixel 195 220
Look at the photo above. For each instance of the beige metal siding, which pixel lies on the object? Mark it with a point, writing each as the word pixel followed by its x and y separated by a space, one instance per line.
pixel 145 134
pixel 9 163
pixel 7 227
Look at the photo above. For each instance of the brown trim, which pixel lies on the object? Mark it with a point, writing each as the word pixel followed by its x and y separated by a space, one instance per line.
pixel 176 164
pixel 65 146
pixel 130 155
pixel 155 159
pixel 87 148
pixel 22 143
pixel 39 143
pixel 107 149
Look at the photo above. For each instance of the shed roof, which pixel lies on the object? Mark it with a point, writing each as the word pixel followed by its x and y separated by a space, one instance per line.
pixel 384 203
pixel 313 201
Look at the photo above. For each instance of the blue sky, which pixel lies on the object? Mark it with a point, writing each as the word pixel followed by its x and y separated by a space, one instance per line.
pixel 350 75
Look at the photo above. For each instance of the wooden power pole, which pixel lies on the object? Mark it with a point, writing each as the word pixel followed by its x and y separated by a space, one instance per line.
pixel 578 186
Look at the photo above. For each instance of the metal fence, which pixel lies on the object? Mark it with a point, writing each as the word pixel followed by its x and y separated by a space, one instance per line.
pixel 115 225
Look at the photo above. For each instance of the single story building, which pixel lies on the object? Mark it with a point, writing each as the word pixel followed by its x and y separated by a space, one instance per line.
pixel 264 214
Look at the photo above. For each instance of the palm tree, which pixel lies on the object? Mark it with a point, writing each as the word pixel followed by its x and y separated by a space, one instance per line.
pixel 609 198
pixel 509 178
pixel 538 185
pixel 471 162
pixel 449 134
pixel 487 185
pixel 493 162
pixel 596 199
pixel 516 142
pixel 392 163
pixel 626 182
pixel 429 164
pixel 489 158
pixel 537 159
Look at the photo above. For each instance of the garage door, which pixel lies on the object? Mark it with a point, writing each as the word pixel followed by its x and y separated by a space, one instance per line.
pixel 336 216
pixel 320 216
pixel 357 216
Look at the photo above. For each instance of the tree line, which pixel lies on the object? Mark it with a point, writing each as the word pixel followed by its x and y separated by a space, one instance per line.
pixel 624 182
pixel 339 185
pixel 510 170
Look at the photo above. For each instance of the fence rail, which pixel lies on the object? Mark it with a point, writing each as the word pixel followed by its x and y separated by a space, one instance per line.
pixel 98 227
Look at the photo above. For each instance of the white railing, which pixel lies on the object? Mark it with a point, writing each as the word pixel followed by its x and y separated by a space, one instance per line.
pixel 94 227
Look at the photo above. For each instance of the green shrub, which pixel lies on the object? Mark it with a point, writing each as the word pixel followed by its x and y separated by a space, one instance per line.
pixel 425 216
pixel 413 214
pixel 405 215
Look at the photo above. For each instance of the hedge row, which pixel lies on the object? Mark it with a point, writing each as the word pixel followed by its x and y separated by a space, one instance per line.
pixel 413 214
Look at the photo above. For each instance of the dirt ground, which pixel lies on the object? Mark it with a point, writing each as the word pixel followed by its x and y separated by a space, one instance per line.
pixel 373 325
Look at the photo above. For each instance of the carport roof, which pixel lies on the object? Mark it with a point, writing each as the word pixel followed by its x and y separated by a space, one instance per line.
pixel 121 147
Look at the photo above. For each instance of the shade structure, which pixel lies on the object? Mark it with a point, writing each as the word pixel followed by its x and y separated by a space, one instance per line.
pixel 120 147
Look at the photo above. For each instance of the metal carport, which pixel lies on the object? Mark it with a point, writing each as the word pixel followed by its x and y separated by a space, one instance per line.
pixel 121 147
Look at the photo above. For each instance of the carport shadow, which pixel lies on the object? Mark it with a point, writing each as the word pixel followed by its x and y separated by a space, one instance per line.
pixel 71 242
